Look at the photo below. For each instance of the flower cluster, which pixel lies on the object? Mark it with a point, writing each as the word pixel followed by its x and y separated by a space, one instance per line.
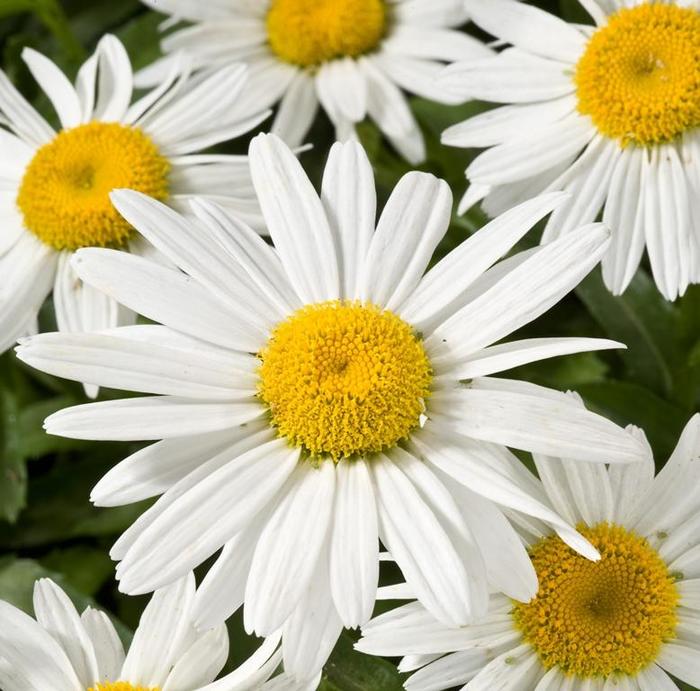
pixel 324 389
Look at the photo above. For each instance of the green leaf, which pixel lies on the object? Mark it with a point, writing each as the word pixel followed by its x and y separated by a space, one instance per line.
pixel 34 440
pixel 644 322
pixel 349 670
pixel 51 14
pixel 629 403
pixel 84 568
pixel 13 473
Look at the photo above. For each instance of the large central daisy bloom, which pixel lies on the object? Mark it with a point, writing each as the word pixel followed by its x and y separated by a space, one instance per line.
pixel 610 113
pixel 62 650
pixel 324 393
pixel 54 186
pixel 351 56
pixel 617 623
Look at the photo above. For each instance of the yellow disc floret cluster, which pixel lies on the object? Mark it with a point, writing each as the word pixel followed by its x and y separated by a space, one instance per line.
pixel 120 686
pixel 639 78
pixel 344 379
pixel 593 619
pixel 310 32
pixel 64 195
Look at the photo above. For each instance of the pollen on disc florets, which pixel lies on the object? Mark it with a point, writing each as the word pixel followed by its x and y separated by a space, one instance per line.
pixel 639 78
pixel 344 378
pixel 120 686
pixel 594 619
pixel 310 32
pixel 64 194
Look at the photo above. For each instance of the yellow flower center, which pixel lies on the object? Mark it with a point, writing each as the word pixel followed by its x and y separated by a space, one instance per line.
pixel 594 619
pixel 64 195
pixel 121 686
pixel 309 32
pixel 344 378
pixel 639 78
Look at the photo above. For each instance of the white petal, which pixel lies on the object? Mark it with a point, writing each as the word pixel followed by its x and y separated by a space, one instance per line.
pixel 668 501
pixel 588 187
pixel 421 547
pixel 56 86
pixel 418 76
pixel 624 214
pixel 121 363
pixel 532 154
pixel 508 565
pixel 312 630
pixel 297 110
pixel 507 123
pixel 681 661
pixel 164 626
pixel 289 547
pixel 200 663
pixel 158 467
pixel 505 356
pixel 529 28
pixel 109 650
pixel 523 294
pixel 295 219
pixel 57 614
pixel 350 202
pixel 195 526
pixel 148 418
pixel 354 551
pixel 412 223
pixel 342 90
pixel 254 671
pixel 196 252
pixel 222 590
pixel 509 77
pixel 255 256
pixel 515 670
pixel 667 221
pixel 166 296
pixel 451 670
pixel 388 107
pixel 479 468
pixel 115 80
pixel 631 481
pixel 653 678
pixel 22 117
pixel 531 420
pixel 23 644
pixel 28 273
pixel 421 41
pixel 440 290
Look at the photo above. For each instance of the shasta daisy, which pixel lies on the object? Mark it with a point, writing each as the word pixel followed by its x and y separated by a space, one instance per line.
pixel 314 397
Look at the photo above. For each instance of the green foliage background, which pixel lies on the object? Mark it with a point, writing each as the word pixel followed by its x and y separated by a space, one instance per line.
pixel 47 525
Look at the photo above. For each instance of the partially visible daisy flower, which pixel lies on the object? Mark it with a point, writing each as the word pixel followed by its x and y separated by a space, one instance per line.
pixel 352 56
pixel 54 186
pixel 610 112
pixel 625 622
pixel 62 650
pixel 322 394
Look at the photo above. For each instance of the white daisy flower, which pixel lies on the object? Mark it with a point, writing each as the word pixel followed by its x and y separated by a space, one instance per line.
pixel 54 186
pixel 610 113
pixel 65 651
pixel 625 622
pixel 322 394
pixel 353 57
